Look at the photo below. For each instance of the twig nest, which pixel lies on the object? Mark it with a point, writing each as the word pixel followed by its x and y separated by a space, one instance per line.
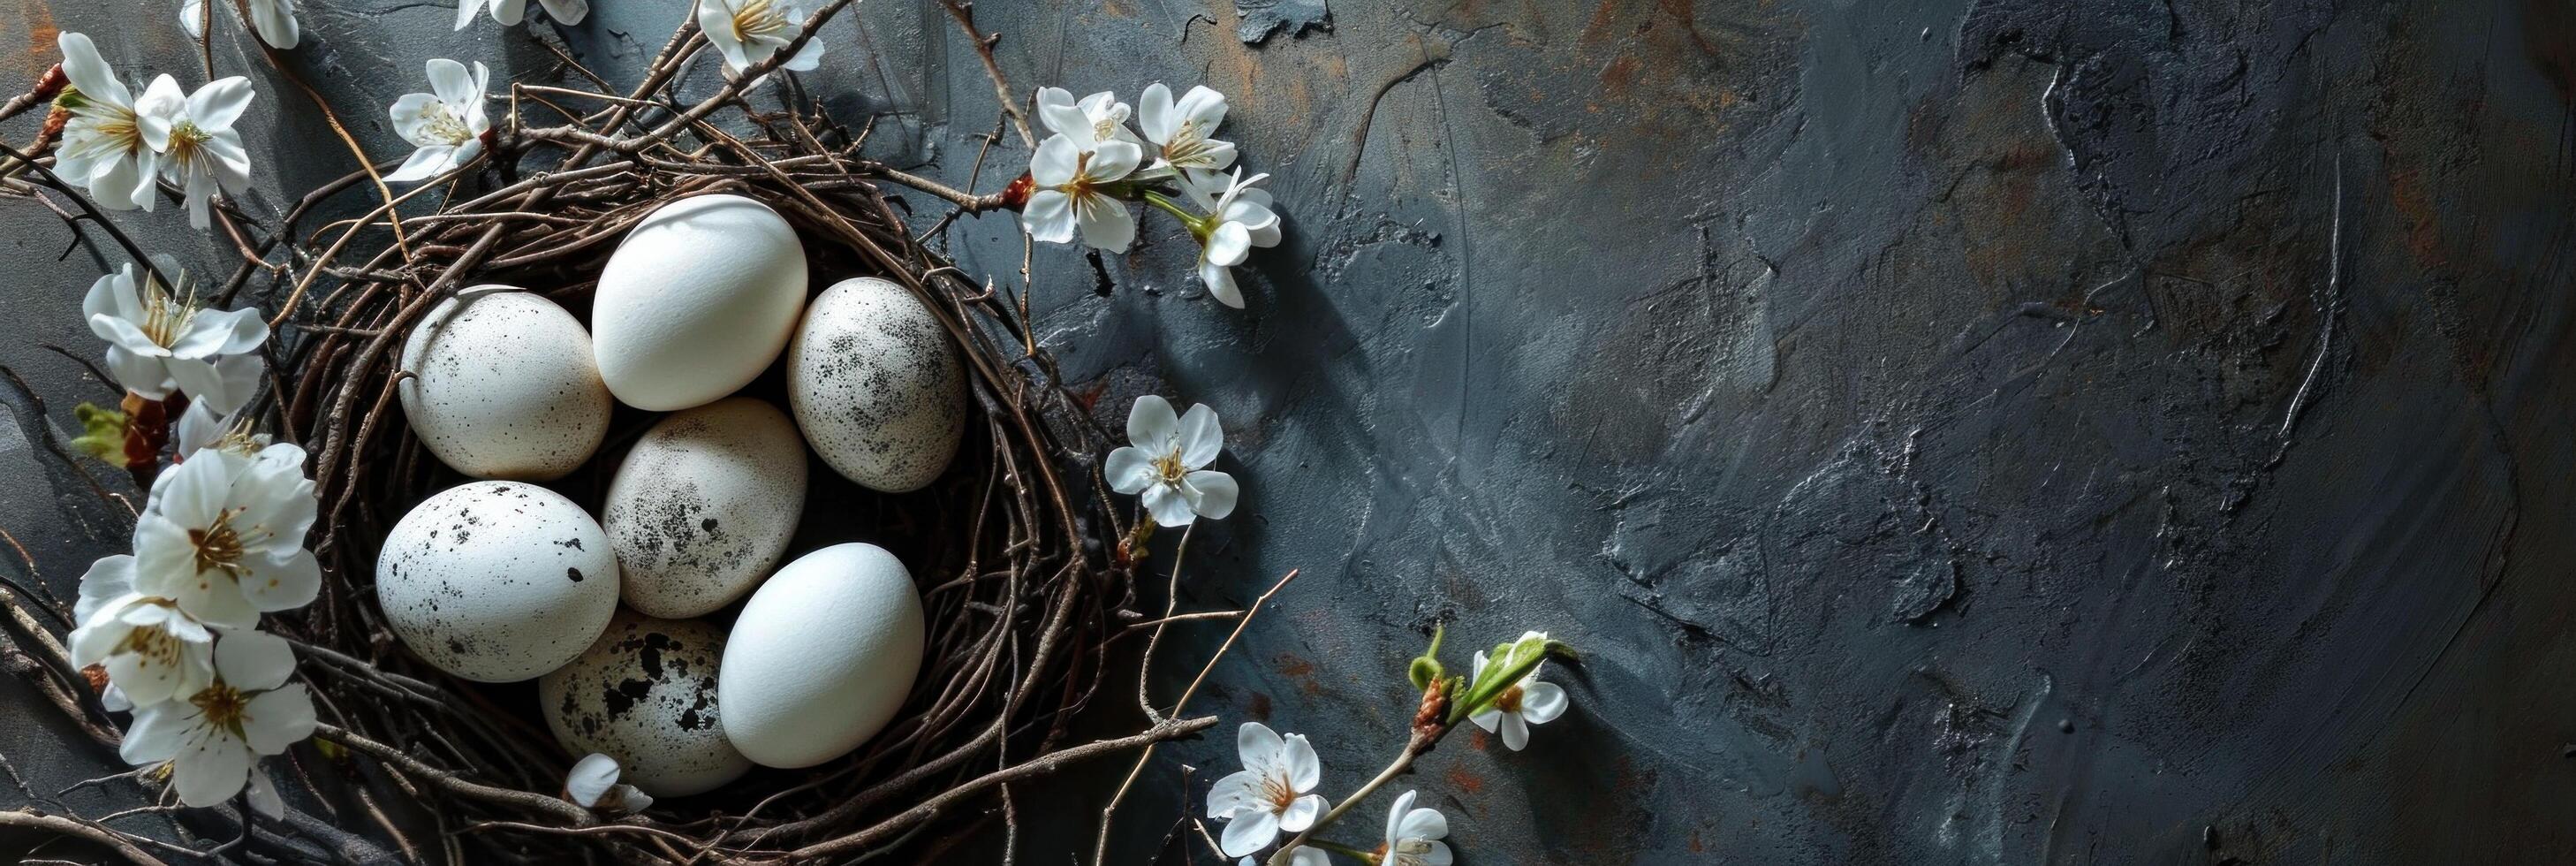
pixel 503 385
pixel 697 301
pixel 876 385
pixel 703 506
pixel 645 694
pixel 497 581
pixel 821 656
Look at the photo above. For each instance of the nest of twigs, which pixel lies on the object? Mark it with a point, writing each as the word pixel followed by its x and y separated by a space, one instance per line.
pixel 1015 550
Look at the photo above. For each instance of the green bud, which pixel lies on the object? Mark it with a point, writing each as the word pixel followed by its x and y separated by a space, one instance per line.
pixel 103 434
pixel 1505 666
pixel 1426 667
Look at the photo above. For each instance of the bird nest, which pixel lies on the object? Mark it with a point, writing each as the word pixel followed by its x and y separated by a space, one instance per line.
pixel 1016 552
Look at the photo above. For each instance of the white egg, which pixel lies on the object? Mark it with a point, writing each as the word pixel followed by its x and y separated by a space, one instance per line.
pixel 877 386
pixel 702 507
pixel 503 385
pixel 821 657
pixel 645 694
pixel 697 300
pixel 496 581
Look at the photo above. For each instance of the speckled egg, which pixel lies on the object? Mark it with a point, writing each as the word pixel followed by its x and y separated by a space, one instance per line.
pixel 497 581
pixel 645 694
pixel 696 301
pixel 821 657
pixel 876 386
pixel 503 385
pixel 703 506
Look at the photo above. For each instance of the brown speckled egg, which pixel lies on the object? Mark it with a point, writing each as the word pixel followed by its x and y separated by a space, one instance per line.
pixel 702 507
pixel 876 386
pixel 496 581
pixel 503 385
pixel 645 694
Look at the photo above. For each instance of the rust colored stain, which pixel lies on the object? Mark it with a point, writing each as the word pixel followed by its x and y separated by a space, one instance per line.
pixel 1303 672
pixel 2414 203
pixel 40 35
pixel 1257 707
pixel 1466 784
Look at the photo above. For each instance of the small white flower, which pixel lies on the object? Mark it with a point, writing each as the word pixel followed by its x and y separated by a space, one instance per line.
pixel 510 12
pixel 1242 219
pixel 273 20
pixel 1525 703
pixel 103 147
pixel 157 342
pixel 1413 835
pixel 200 428
pixel 212 737
pixel 224 537
pixel 749 31
pixel 446 124
pixel 152 651
pixel 1167 463
pixel 593 785
pixel 1180 130
pixel 199 148
pixel 1298 856
pixel 1089 121
pixel 1270 793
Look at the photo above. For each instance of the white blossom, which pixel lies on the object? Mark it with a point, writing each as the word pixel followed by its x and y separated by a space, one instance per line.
pixel 224 537
pixel 211 738
pixel 1270 794
pixel 103 147
pixel 749 31
pixel 200 428
pixel 1524 703
pixel 593 785
pixel 446 124
pixel 199 148
pixel 1089 121
pixel 158 342
pixel 1413 835
pixel 1239 218
pixel 510 12
pixel 1167 463
pixel 1180 130
pixel 273 20
pixel 152 651
pixel 1298 856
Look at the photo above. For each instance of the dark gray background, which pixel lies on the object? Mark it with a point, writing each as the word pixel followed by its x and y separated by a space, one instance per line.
pixel 2134 431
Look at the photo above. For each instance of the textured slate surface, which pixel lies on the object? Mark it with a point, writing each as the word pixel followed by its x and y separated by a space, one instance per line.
pixel 1956 432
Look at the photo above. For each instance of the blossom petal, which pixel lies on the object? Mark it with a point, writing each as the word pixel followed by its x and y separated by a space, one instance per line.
pixel 1055 162
pixel 569 12
pixel 1298 758
pixel 1301 813
pixel 107 579
pixel 1217 493
pixel 279 718
pixel 1229 244
pixel 1154 113
pixel 1395 818
pixel 211 771
pixel 1152 425
pixel 1251 830
pixel 1128 470
pixel 89 73
pixel 1542 702
pixel 1422 824
pixel 253 660
pixel 161 103
pixel 509 12
pixel 1060 114
pixel 1169 505
pixel 1436 854
pixel 274 20
pixel 1199 437
pixel 125 334
pixel 1220 284
pixel 465 10
pixel 157 733
pixel 219 102
pixel 590 777
pixel 1257 745
pixel 1487 719
pixel 1113 160
pixel 1515 732
pixel 451 82
pixel 429 161
pixel 1049 217
pixel 285 584
pixel 1106 224
pixel 1237 791
pixel 1205 106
